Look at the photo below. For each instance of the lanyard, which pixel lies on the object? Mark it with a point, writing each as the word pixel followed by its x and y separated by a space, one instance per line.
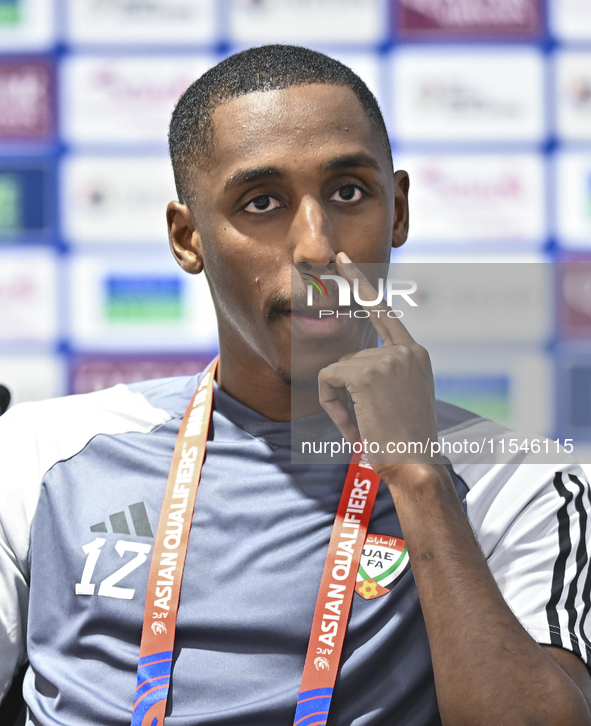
pixel 168 561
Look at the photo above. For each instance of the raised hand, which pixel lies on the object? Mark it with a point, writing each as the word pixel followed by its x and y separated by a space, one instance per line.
pixel 391 389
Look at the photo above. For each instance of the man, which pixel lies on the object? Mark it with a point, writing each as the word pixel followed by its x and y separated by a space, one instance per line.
pixel 281 156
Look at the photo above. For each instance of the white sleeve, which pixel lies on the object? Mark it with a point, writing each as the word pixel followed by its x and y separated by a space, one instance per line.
pixel 33 437
pixel 18 500
pixel 532 524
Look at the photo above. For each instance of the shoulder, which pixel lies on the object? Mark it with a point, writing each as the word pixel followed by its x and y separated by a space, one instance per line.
pixel 60 426
pixel 451 419
pixel 516 481
pixel 479 448
pixel 36 436
pixel 47 431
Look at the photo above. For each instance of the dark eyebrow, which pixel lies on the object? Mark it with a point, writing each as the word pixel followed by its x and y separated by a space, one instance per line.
pixel 247 176
pixel 349 161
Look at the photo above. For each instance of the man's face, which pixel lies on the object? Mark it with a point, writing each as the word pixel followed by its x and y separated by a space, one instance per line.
pixel 294 176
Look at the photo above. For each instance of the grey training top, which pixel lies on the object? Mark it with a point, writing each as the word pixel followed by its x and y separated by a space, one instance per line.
pixel 81 485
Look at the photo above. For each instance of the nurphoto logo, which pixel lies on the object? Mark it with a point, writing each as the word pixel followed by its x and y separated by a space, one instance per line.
pixel 392 288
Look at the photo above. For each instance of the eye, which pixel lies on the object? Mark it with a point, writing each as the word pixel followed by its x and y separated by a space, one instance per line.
pixel 262 203
pixel 347 193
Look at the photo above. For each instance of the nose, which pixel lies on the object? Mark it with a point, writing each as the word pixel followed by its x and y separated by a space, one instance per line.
pixel 313 237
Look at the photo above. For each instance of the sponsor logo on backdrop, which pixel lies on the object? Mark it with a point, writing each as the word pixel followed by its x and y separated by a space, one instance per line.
pixel 494 16
pixel 27 25
pixel 574 94
pixel 132 302
pixel 10 12
pixel 154 22
pixel 578 98
pixel 28 310
pixel 116 198
pixel 123 88
pixel 99 198
pixel 158 10
pixel 306 20
pixel 298 5
pixel 487 395
pixel 456 98
pixel 575 288
pixel 22 201
pixel 465 198
pixel 25 100
pixel 574 198
pixel 506 185
pixel 125 99
pixel 578 91
pixel 578 400
pixel 464 95
pixel 10 203
pixel 18 290
pixel 94 372
pixel 152 299
pixel 571 19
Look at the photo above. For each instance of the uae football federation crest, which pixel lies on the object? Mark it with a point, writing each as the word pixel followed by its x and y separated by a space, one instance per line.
pixel 383 562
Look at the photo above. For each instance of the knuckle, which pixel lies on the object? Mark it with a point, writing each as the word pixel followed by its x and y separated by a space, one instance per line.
pixel 367 372
pixel 323 375
pixel 327 371
pixel 421 352
pixel 390 358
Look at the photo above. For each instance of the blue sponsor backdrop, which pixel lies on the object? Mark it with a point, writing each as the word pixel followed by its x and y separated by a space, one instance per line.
pixel 488 106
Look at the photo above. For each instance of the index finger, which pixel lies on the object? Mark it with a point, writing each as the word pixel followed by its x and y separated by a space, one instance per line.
pixel 390 329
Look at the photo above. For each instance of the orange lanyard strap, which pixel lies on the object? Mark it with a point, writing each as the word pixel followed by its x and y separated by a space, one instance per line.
pixel 168 562
pixel 336 593
pixel 168 558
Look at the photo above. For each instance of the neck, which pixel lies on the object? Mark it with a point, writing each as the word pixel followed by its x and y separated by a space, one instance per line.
pixel 256 384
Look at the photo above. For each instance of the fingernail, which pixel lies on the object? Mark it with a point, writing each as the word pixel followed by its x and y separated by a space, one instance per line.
pixel 342 257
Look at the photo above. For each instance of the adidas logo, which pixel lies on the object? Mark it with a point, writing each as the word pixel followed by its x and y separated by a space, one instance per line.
pixel 120 524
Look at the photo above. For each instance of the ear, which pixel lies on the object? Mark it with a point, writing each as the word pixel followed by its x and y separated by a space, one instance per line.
pixel 400 230
pixel 185 240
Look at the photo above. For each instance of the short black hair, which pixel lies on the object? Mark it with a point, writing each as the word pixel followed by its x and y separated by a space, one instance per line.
pixel 265 68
